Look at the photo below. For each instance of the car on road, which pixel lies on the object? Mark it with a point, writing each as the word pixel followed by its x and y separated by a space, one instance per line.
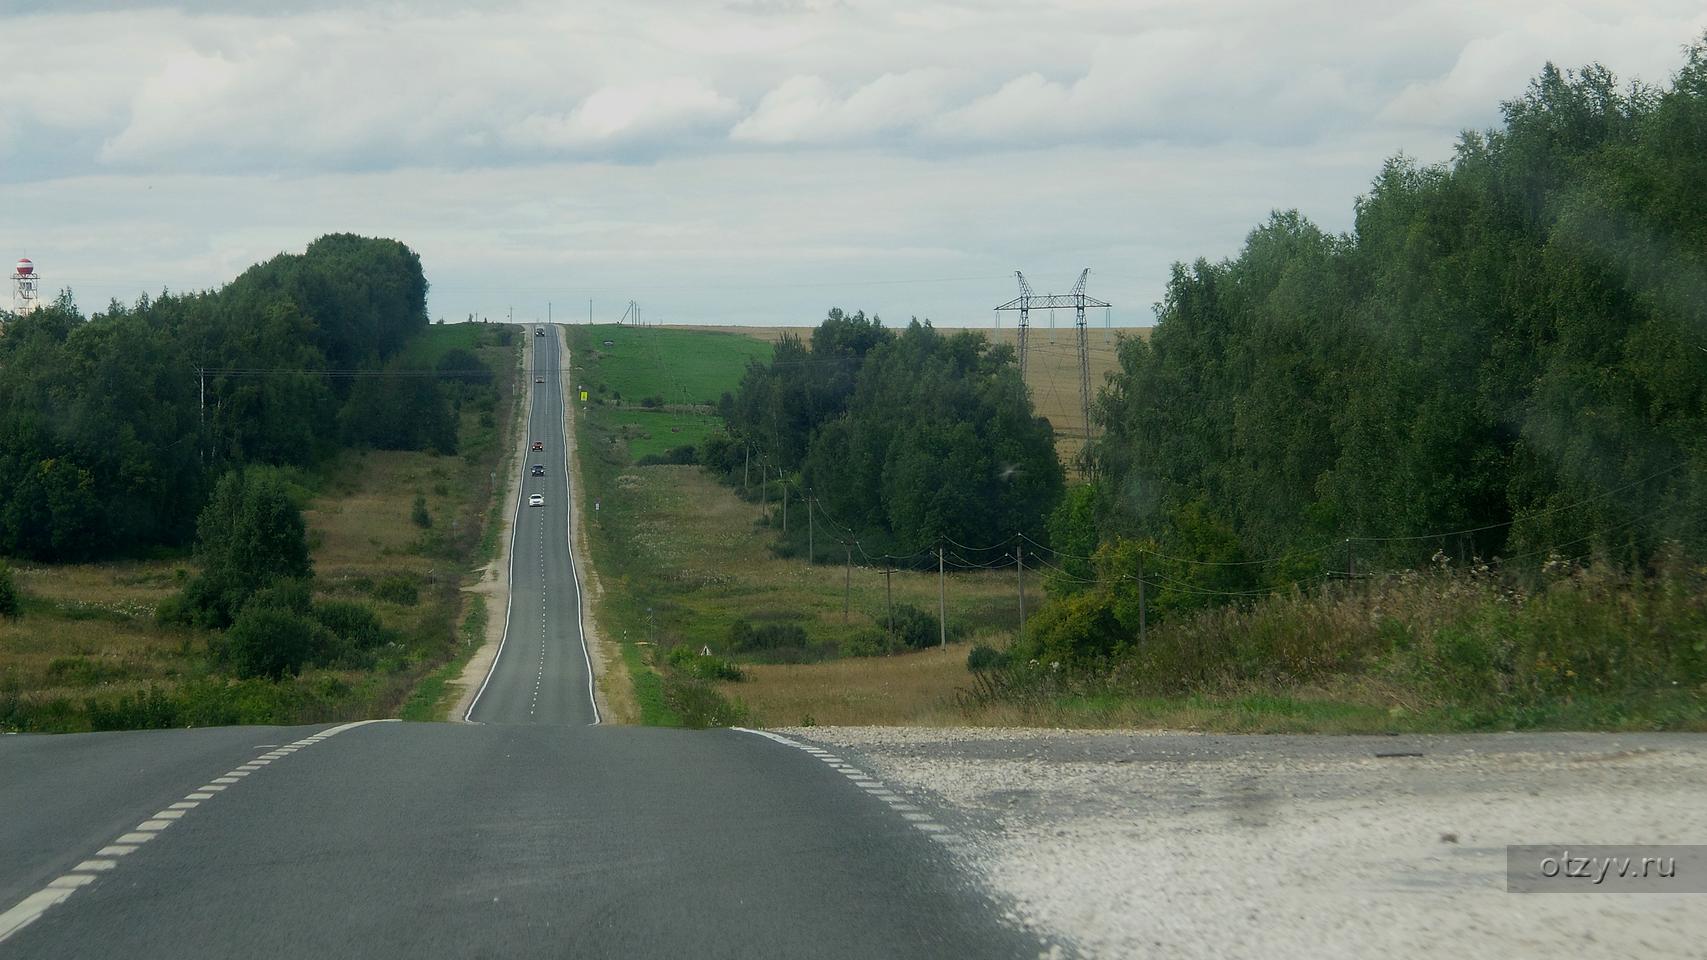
pixel 539 470
pixel 539 331
pixel 536 501
pixel 539 444
pixel 538 379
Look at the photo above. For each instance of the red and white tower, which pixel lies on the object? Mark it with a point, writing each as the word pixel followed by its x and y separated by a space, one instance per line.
pixel 25 296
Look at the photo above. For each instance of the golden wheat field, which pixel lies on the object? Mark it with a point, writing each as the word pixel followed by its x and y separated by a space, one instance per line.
pixel 1052 369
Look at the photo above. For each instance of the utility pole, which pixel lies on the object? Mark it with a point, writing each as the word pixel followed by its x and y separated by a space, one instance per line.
pixel 785 508
pixel 589 311
pixel 548 311
pixel 847 583
pixel 889 604
pixel 1019 568
pixel 810 556
pixel 1349 568
pixel 201 415
pixel 746 466
pixel 941 600
pixel 1140 599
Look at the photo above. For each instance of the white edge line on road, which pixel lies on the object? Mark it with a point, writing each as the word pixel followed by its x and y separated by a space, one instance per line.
pixel 569 527
pixel 87 871
pixel 913 816
pixel 510 575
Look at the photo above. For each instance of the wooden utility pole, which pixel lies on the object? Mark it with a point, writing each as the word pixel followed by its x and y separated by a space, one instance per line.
pixel 785 508
pixel 941 600
pixel 746 467
pixel 889 602
pixel 1019 568
pixel 1140 599
pixel 810 556
pixel 847 583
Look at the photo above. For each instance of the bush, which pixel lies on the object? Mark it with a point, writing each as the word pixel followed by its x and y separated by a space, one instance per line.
pixel 349 634
pixel 702 666
pixel 682 455
pixel 771 636
pixel 982 658
pixel 398 588
pixel 418 514
pixel 699 705
pixel 866 643
pixel 911 627
pixel 266 641
pixel 8 594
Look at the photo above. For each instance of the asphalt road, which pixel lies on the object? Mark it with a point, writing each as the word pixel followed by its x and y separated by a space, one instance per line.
pixel 529 832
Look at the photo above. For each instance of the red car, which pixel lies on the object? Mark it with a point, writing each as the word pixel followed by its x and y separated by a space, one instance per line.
pixel 539 444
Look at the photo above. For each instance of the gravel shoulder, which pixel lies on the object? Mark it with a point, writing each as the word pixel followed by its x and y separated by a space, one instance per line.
pixel 1187 845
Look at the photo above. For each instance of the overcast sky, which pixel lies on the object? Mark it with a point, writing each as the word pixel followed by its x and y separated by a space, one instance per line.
pixel 754 161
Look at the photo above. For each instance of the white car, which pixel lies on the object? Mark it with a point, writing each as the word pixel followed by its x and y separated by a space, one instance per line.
pixel 536 501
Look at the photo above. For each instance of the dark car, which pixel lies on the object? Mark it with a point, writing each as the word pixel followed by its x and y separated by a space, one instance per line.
pixel 538 470
pixel 539 444
pixel 539 331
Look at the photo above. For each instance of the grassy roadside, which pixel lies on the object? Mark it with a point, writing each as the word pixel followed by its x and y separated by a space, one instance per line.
pixel 88 653
pixel 683 558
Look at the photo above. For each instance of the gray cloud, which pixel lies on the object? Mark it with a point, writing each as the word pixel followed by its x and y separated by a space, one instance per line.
pixel 763 146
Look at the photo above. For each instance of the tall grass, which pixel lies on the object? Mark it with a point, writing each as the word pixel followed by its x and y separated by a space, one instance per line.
pixel 1579 646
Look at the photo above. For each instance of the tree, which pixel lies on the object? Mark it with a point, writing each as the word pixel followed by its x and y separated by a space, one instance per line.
pixel 250 536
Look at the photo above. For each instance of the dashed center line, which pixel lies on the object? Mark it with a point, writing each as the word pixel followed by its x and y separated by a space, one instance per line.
pixel 59 889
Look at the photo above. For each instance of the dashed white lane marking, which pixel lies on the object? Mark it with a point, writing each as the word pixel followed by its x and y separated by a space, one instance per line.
pixel 920 820
pixel 59 889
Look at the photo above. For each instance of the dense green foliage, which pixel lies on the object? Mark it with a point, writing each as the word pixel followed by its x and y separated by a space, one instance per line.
pixel 1500 373
pixel 250 536
pixel 1509 345
pixel 107 443
pixel 8 593
pixel 905 440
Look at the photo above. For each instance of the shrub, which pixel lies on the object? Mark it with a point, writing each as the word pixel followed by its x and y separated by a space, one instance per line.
pixel 983 657
pixel 266 641
pixel 349 634
pixel 866 643
pixel 702 666
pixel 682 455
pixel 398 588
pixel 699 705
pixel 8 594
pixel 911 627
pixel 418 514
pixel 744 636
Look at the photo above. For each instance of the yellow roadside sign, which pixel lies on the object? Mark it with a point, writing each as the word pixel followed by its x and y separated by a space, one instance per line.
pixel 583 396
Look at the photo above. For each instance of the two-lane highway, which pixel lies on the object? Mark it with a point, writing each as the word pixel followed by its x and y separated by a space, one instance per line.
pixel 531 832
pixel 543 673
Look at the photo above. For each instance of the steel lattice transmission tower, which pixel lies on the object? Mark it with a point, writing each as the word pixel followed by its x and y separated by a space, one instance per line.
pixel 1078 300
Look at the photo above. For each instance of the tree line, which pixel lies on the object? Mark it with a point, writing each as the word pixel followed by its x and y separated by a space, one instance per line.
pixel 1506 356
pixel 115 428
pixel 903 439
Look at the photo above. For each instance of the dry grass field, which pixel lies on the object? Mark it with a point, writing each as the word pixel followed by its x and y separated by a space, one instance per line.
pixel 702 557
pixel 1052 368
pixel 912 689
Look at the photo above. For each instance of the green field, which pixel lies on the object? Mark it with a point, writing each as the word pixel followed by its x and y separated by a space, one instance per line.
pixel 679 367
pixel 427 347
pixel 649 432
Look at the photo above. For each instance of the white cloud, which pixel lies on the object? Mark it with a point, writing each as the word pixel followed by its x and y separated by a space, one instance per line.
pixel 662 148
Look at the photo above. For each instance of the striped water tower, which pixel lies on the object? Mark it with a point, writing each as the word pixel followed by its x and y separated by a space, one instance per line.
pixel 25 291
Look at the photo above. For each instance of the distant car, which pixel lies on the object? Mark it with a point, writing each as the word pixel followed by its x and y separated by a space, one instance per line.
pixel 536 501
pixel 539 331
pixel 539 444
pixel 538 379
pixel 538 470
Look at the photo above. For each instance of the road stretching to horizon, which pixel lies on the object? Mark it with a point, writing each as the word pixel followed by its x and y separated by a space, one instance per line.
pixel 531 831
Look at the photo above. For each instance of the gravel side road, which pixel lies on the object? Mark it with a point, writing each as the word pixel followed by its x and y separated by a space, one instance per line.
pixel 1185 845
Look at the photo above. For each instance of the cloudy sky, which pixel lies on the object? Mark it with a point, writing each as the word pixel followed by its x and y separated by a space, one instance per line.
pixel 752 161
